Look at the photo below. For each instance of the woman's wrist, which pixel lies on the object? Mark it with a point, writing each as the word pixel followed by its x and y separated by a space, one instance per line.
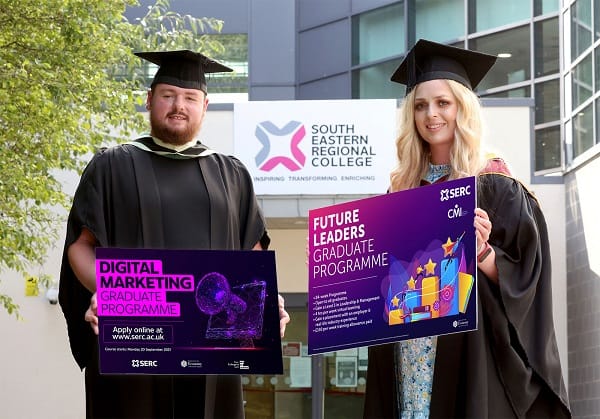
pixel 483 252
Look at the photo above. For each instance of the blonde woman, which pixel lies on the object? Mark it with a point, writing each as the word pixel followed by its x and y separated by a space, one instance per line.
pixel 509 367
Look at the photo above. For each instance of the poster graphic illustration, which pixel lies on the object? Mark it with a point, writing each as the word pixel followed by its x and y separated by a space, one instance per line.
pixel 393 267
pixel 187 312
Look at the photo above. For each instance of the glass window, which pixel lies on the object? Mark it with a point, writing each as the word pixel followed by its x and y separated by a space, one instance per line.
pixel 597 72
pixel 583 135
pixel 545 6
pixel 487 14
pixel 567 94
pixel 518 92
pixel 568 131
pixel 516 67
pixel 546 47
pixel 440 20
pixel 596 19
pixel 581 27
pixel 374 82
pixel 148 70
pixel 345 382
pixel 547 101
pixel 235 55
pixel 547 148
pixel 288 395
pixel 566 45
pixel 582 81
pixel 378 34
pixel 597 106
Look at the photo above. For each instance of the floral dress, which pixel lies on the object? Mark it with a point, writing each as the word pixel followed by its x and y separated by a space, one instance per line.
pixel 415 358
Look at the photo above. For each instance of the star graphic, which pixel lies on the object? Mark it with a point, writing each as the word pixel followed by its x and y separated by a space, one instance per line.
pixel 411 283
pixel 430 267
pixel 419 269
pixel 448 247
pixel 395 301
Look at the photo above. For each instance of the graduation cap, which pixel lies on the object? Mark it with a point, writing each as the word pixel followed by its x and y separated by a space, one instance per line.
pixel 183 68
pixel 429 60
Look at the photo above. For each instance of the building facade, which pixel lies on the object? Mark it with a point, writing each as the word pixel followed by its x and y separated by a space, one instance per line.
pixel 542 105
pixel 549 51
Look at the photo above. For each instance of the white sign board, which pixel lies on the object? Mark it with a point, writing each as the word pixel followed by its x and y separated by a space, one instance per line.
pixel 317 147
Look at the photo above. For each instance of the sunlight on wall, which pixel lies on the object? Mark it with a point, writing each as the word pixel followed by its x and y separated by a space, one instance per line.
pixel 589 202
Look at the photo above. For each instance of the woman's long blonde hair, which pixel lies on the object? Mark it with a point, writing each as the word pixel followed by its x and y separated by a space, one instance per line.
pixel 466 157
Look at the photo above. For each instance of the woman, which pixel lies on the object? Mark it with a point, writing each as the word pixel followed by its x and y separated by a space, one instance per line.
pixel 509 367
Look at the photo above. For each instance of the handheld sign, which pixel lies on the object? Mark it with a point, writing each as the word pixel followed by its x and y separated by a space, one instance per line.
pixel 187 312
pixel 393 267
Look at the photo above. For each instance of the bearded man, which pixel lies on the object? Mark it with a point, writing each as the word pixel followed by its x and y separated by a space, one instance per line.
pixel 165 190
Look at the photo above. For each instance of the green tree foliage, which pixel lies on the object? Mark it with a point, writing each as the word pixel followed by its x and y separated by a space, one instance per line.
pixel 67 86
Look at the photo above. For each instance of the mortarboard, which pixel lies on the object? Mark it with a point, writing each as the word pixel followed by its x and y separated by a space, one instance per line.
pixel 183 68
pixel 429 60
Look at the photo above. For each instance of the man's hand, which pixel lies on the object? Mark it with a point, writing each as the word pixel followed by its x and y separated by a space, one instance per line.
pixel 284 317
pixel 91 315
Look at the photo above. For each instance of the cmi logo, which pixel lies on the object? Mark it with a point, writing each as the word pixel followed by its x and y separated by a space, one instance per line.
pixel 456 212
pixel 274 138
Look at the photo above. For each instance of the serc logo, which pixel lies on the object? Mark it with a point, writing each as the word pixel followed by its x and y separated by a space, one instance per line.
pixel 137 363
pixel 446 194
pixel 280 146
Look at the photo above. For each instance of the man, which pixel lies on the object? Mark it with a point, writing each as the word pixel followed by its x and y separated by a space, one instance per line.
pixel 165 190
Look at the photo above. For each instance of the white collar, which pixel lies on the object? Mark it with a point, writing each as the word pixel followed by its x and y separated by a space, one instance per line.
pixel 174 147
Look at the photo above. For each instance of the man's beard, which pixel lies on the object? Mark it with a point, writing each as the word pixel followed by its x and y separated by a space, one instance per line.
pixel 161 131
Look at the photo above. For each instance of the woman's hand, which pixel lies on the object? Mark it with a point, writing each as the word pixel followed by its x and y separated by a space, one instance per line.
pixel 486 255
pixel 483 227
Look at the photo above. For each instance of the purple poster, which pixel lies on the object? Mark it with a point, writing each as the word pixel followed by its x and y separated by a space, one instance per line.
pixel 187 312
pixel 392 267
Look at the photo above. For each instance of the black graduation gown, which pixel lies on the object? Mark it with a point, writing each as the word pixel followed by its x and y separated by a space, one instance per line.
pixel 510 366
pixel 118 200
